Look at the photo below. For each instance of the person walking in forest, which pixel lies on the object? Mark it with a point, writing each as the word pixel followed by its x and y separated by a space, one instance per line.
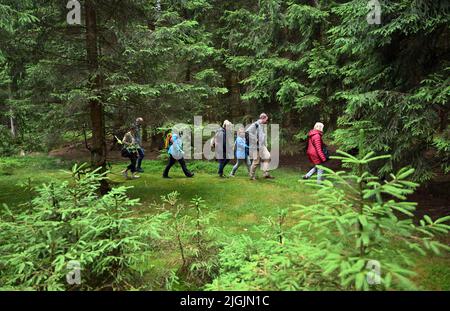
pixel 241 152
pixel 223 154
pixel 130 150
pixel 258 148
pixel 138 138
pixel 316 151
pixel 176 153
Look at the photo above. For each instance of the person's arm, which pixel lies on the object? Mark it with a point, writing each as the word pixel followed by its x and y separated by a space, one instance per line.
pixel 317 143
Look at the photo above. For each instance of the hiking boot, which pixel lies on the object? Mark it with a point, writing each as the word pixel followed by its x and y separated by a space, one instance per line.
pixel 269 177
pixel 305 177
pixel 135 176
pixel 190 175
pixel 125 174
pixel 231 175
pixel 167 177
pixel 140 170
pixel 252 178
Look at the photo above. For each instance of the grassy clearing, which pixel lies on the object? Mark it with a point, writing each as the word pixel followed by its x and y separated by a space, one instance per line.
pixel 240 205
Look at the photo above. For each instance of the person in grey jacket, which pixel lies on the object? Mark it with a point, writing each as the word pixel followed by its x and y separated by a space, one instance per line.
pixel 258 147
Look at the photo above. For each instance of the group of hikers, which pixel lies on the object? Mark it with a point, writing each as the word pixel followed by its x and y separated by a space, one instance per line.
pixel 249 148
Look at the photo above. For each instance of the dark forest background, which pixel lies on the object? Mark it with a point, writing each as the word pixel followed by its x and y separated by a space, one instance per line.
pixel 301 61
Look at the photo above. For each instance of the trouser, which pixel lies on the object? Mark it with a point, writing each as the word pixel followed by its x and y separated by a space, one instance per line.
pixel 239 162
pixel 222 163
pixel 314 170
pixel 140 158
pixel 172 161
pixel 132 165
pixel 260 157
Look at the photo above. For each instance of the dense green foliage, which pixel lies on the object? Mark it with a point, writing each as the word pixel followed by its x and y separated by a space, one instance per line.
pixel 195 241
pixel 175 242
pixel 357 220
pixel 69 221
pixel 300 60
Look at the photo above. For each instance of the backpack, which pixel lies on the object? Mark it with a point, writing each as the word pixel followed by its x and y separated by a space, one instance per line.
pixel 326 153
pixel 168 141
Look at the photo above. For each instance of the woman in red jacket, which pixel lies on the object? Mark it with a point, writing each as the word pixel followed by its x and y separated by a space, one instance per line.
pixel 315 151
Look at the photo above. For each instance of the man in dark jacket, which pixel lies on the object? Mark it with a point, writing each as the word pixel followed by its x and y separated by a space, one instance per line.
pixel 223 148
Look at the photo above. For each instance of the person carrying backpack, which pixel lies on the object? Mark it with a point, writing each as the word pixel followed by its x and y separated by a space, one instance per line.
pixel 317 152
pixel 258 149
pixel 176 153
pixel 241 151
pixel 130 150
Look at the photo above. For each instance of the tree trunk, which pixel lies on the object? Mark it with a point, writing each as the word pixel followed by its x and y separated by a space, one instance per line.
pixel 98 148
pixel 13 127
pixel 11 117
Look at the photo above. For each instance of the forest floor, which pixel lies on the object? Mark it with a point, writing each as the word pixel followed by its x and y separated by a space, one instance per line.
pixel 240 205
pixel 433 198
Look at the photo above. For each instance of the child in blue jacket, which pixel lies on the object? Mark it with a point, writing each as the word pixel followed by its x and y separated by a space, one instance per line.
pixel 176 154
pixel 241 152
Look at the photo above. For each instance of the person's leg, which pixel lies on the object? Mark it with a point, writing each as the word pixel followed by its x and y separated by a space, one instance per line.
pixel 256 160
pixel 265 169
pixel 319 175
pixel 125 171
pixel 265 162
pixel 221 166
pixel 236 166
pixel 310 173
pixel 248 163
pixel 139 161
pixel 132 166
pixel 184 168
pixel 226 162
pixel 169 165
